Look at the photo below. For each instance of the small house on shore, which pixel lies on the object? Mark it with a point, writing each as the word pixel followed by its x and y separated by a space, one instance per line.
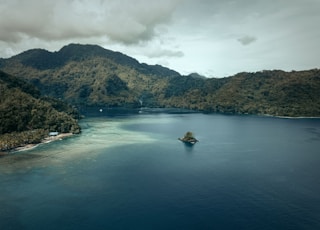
pixel 53 134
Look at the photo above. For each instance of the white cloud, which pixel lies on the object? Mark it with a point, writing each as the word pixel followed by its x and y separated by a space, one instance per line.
pixel 203 36
pixel 120 20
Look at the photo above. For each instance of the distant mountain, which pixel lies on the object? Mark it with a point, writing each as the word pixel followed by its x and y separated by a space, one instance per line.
pixel 26 118
pixel 280 93
pixel 42 59
pixel 91 75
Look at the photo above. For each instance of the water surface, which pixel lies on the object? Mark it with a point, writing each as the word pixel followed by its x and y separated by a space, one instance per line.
pixel 129 171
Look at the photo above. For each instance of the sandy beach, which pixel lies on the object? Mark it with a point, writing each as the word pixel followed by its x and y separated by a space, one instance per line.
pixel 44 141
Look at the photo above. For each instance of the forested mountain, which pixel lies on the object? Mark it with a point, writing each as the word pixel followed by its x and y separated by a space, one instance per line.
pixel 91 75
pixel 27 118
pixel 279 93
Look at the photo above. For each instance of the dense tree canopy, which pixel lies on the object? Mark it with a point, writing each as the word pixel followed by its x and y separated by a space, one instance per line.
pixel 90 75
pixel 29 118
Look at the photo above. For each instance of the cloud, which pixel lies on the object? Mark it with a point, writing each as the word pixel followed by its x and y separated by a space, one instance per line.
pixel 246 40
pixel 164 53
pixel 188 35
pixel 122 21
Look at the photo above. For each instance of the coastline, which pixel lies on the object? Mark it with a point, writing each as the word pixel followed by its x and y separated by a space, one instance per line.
pixel 44 141
pixel 289 117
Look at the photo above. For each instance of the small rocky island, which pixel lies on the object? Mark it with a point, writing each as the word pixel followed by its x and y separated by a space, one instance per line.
pixel 188 138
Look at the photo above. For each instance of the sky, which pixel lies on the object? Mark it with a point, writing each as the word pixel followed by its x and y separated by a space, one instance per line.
pixel 215 38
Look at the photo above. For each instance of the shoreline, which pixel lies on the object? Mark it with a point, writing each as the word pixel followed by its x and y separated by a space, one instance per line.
pixel 44 141
pixel 288 117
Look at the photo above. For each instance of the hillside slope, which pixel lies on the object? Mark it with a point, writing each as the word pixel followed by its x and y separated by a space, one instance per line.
pixel 272 92
pixel 27 118
pixel 91 75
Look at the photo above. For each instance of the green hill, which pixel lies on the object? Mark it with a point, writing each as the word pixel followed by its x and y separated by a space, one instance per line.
pixel 26 118
pixel 276 92
pixel 93 76
pixel 90 75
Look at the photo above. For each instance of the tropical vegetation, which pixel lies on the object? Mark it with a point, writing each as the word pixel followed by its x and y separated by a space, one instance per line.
pixel 26 117
pixel 89 75
pixel 93 76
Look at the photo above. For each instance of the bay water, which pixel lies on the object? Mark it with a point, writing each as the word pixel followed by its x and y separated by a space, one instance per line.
pixel 130 171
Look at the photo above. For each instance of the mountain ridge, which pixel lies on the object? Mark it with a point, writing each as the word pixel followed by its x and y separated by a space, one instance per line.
pixel 43 59
pixel 91 75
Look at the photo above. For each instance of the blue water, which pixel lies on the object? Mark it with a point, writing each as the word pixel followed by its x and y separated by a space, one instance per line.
pixel 129 171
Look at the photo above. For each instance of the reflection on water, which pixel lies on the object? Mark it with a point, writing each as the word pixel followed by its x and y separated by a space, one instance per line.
pixel 188 147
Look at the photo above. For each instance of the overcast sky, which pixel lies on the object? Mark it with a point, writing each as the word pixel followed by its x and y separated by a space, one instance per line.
pixel 215 38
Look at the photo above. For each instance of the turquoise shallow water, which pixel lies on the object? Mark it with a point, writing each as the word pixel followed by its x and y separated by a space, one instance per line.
pixel 129 171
